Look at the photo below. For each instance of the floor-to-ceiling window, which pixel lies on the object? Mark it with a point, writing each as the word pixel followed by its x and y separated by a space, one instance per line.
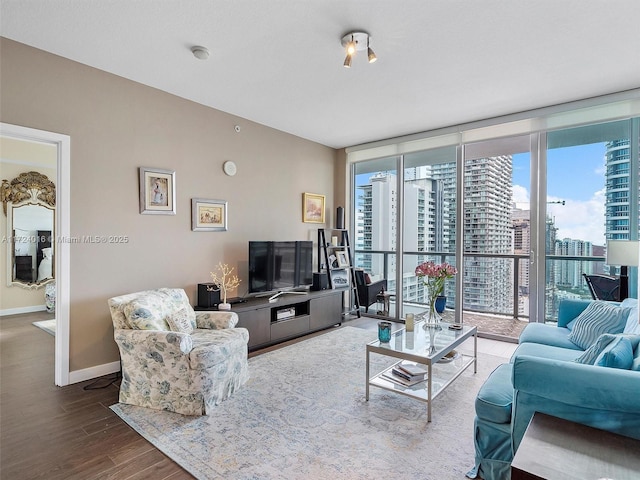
pixel 523 216
pixel 429 220
pixel 375 219
pixel 592 198
pixel 496 235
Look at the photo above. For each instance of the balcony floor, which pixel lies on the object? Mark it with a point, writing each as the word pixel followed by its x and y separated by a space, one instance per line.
pixel 495 325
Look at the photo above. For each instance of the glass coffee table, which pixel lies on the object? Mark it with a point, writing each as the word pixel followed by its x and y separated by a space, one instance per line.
pixel 433 349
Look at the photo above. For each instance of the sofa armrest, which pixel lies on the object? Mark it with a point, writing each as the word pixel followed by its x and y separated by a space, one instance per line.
pixel 216 320
pixel 171 343
pixel 601 397
pixel 588 386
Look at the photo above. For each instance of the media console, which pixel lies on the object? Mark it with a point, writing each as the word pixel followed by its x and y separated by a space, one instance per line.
pixel 288 316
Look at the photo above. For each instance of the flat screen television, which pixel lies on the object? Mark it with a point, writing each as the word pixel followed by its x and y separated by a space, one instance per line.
pixel 279 266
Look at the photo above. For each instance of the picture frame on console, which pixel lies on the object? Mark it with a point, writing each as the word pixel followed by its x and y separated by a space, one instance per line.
pixel 313 208
pixel 208 215
pixel 157 191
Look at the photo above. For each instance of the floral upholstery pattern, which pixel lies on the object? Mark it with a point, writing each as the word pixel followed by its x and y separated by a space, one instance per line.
pixel 171 370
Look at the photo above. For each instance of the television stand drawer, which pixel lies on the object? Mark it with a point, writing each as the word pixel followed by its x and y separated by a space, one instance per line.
pixel 290 327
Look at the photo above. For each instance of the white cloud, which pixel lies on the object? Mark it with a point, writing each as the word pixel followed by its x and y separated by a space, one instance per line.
pixel 581 220
pixel 520 196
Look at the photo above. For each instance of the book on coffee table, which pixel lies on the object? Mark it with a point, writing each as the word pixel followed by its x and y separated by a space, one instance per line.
pixel 394 377
pixel 412 369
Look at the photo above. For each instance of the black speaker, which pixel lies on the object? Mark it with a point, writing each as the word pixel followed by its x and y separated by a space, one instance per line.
pixel 208 295
pixel 320 281
pixel 340 218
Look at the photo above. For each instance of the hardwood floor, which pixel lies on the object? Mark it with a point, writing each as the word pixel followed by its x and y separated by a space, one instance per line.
pixel 69 432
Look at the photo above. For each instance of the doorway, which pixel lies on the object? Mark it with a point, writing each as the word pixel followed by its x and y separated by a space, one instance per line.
pixel 62 144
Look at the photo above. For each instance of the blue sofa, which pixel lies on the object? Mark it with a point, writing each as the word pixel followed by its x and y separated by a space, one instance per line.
pixel 545 375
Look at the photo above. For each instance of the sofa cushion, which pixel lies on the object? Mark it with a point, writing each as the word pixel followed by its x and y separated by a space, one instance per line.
pixel 633 321
pixel 547 335
pixel 569 309
pixel 149 310
pixel 546 351
pixel 598 318
pixel 618 354
pixel 495 398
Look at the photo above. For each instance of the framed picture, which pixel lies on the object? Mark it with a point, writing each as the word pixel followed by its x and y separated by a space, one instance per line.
pixel 340 278
pixel 312 208
pixel 157 191
pixel 208 215
pixel 343 259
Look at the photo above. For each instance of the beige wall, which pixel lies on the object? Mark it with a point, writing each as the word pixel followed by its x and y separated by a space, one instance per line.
pixel 17 157
pixel 115 127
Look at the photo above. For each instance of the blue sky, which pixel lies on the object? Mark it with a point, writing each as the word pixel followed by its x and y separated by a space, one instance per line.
pixel 575 175
pixel 572 172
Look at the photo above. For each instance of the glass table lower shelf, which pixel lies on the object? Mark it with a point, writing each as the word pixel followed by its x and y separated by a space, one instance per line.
pixel 430 348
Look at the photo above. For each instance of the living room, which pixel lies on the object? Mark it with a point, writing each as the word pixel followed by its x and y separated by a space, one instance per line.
pixel 115 126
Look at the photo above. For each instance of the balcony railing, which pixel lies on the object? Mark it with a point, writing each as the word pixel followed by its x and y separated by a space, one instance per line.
pixel 564 280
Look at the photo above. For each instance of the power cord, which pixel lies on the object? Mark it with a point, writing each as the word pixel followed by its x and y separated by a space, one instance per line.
pixel 103 382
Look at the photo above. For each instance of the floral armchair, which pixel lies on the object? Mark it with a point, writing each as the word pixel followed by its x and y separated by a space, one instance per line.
pixel 174 358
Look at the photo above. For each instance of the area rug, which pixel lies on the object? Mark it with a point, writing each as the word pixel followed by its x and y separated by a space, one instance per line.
pixel 48 326
pixel 303 415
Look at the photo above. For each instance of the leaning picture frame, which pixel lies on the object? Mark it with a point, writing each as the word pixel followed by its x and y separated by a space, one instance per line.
pixel 208 215
pixel 157 191
pixel 312 208
pixel 343 259
pixel 340 278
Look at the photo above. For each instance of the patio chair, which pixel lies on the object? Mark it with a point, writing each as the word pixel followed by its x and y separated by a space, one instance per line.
pixel 368 292
pixel 603 287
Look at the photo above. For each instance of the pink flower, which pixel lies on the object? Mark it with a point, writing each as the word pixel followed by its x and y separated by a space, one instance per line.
pixel 436 271
pixel 433 276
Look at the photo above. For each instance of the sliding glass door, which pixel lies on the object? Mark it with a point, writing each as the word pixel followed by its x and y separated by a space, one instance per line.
pixel 592 185
pixel 497 213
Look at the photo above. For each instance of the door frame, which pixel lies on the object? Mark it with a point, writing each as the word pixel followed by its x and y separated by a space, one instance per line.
pixel 63 237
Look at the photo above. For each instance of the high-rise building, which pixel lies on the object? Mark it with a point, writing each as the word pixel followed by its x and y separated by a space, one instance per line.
pixel 425 227
pixel 521 224
pixel 568 273
pixel 487 281
pixel 617 203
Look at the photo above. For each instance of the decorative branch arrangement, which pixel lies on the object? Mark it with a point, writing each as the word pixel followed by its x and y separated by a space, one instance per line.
pixel 223 277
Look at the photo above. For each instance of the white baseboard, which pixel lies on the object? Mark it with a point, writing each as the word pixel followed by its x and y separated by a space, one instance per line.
pixel 16 311
pixel 77 376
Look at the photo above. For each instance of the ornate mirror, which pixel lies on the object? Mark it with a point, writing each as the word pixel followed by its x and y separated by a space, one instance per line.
pixel 29 202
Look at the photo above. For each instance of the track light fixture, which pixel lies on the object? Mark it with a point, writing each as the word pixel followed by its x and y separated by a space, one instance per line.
pixel 372 56
pixel 354 42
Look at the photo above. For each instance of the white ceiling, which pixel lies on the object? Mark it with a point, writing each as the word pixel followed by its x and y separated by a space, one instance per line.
pixel 279 62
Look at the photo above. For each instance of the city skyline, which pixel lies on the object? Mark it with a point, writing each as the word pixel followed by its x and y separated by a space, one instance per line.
pixel 575 176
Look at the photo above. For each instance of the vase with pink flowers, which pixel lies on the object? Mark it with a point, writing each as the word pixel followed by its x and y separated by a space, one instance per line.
pixel 433 276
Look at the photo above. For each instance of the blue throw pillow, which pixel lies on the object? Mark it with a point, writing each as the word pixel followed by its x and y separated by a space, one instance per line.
pixel 590 354
pixel 636 358
pixel 598 318
pixel 618 354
